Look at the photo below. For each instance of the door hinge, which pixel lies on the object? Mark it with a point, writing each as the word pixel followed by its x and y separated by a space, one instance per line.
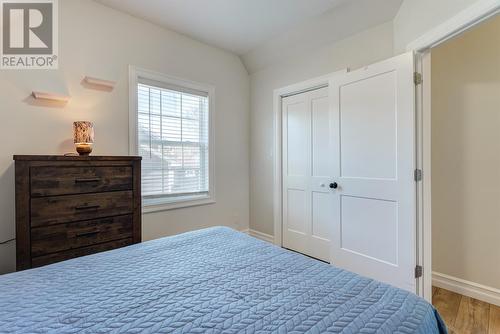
pixel 419 271
pixel 417 78
pixel 418 175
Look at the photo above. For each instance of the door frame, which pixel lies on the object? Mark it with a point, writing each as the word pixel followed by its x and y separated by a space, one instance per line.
pixel 278 95
pixel 463 21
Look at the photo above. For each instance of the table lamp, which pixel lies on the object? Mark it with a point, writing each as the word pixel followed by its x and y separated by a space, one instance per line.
pixel 83 135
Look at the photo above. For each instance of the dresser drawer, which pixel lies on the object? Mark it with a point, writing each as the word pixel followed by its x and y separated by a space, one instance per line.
pixel 50 181
pixel 70 206
pixel 70 254
pixel 63 209
pixel 56 238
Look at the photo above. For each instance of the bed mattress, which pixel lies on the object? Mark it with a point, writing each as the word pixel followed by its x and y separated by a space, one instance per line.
pixel 214 280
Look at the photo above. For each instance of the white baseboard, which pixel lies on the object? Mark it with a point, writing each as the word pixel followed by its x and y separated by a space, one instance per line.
pixel 259 235
pixel 467 288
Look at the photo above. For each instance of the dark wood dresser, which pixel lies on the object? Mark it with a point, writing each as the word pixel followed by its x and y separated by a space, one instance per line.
pixel 68 207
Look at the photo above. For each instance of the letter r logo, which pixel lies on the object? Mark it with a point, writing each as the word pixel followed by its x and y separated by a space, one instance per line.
pixel 27 28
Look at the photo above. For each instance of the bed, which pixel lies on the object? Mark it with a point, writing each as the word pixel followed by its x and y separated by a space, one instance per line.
pixel 214 280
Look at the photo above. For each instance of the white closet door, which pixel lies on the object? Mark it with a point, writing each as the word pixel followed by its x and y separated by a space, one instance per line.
pixel 374 204
pixel 307 173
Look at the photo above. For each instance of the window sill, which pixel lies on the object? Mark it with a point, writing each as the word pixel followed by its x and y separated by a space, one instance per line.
pixel 157 205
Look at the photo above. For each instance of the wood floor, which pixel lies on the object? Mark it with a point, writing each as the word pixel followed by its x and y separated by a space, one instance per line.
pixel 464 315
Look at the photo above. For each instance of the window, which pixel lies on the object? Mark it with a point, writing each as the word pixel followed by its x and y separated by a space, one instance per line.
pixel 172 128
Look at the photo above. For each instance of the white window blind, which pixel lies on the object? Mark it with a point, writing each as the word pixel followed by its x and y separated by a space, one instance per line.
pixel 172 140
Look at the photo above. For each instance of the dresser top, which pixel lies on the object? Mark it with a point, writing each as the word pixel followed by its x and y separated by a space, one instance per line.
pixel 73 158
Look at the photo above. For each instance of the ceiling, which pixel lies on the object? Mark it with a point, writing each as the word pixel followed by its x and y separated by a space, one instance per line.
pixel 262 32
pixel 234 25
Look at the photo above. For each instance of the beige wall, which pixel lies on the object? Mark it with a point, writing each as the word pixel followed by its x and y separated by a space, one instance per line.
pixel 362 49
pixel 466 156
pixel 101 42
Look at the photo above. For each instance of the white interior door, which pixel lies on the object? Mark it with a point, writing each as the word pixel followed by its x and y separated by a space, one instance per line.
pixel 307 173
pixel 374 204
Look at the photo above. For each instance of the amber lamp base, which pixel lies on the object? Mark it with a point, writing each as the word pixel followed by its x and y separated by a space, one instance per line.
pixel 84 149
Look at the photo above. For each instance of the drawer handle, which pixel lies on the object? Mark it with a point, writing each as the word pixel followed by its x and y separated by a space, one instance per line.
pixel 86 234
pixel 87 207
pixel 89 180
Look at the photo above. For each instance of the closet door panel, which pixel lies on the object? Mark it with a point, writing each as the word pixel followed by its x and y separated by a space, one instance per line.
pixel 375 203
pixel 307 167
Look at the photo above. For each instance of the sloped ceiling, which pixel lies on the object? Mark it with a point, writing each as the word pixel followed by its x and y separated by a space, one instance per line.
pixel 261 31
pixel 334 25
pixel 234 25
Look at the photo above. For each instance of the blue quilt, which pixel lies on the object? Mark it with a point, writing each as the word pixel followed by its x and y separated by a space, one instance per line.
pixel 210 281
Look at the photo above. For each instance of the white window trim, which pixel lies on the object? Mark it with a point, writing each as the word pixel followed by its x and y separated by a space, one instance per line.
pixel 163 204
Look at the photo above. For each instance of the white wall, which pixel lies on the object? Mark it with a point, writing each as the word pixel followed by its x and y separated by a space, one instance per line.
pixel 101 42
pixel 416 17
pixel 362 49
pixel 324 54
pixel 466 156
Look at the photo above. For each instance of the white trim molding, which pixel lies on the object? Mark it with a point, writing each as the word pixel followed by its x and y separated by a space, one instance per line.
pixel 259 235
pixel 467 288
pixel 423 140
pixel 149 206
pixel 466 19
pixel 471 16
pixel 179 203
pixel 262 236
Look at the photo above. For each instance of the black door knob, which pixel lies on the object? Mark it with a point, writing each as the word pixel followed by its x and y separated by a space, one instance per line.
pixel 334 185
